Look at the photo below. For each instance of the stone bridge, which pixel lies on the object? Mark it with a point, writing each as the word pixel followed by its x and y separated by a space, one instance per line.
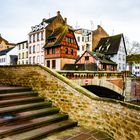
pixel 119 119
pixel 101 81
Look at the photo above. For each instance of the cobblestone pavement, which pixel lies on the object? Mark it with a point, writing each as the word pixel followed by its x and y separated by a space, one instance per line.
pixel 79 133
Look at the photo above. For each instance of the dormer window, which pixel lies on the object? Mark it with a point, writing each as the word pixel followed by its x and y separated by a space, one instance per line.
pixel 51 39
pixel 100 48
pixel 86 58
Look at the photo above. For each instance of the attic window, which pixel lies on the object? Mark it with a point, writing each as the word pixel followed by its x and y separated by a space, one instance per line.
pixel 51 40
pixel 107 47
pixel 100 48
pixel 86 58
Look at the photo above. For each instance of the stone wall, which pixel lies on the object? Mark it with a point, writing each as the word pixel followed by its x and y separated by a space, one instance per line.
pixel 120 120
pixel 135 91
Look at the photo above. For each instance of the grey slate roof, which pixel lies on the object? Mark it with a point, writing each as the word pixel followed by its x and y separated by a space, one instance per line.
pixel 109 45
pixel 4 52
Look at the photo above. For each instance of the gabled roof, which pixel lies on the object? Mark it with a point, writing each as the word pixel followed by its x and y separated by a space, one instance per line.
pixel 49 20
pixel 91 53
pixel 101 57
pixel 2 39
pixel 58 34
pixel 6 42
pixel 22 42
pixel 4 52
pixel 110 45
pixel 100 30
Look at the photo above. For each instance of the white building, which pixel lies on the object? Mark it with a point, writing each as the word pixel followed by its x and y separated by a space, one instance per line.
pixel 133 64
pixel 36 42
pixel 114 47
pixel 22 52
pixel 84 40
pixel 9 56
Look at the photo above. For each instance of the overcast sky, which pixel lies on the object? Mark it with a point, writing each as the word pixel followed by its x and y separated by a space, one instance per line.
pixel 115 16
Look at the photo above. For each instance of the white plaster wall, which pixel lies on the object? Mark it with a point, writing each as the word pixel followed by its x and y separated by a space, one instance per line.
pixel 120 57
pixel 3 57
pixel 39 50
pixel 21 50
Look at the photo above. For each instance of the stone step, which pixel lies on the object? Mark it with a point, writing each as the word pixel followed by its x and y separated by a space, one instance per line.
pixel 7 96
pixel 24 115
pixel 25 100
pixel 28 115
pixel 8 130
pixel 20 108
pixel 42 132
pixel 14 89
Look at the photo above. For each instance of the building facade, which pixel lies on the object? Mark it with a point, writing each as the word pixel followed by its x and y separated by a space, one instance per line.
pixel 114 48
pixel 38 36
pixel 101 62
pixel 22 52
pixel 61 48
pixel 133 64
pixel 36 41
pixel 84 40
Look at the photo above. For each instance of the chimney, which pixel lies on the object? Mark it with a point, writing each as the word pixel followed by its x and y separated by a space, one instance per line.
pixel 65 20
pixel 98 26
pixel 58 13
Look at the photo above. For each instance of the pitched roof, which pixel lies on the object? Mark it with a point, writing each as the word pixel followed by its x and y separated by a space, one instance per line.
pixel 49 20
pixel 58 34
pixel 4 52
pixel 98 56
pixel 1 38
pixel 109 45
pixel 22 42
pixel 133 58
pixel 99 30
pixel 6 42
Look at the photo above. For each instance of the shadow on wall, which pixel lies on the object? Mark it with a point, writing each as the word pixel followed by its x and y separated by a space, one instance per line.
pixel 104 92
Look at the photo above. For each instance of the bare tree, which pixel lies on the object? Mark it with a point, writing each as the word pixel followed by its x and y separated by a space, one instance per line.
pixel 136 46
pixel 132 47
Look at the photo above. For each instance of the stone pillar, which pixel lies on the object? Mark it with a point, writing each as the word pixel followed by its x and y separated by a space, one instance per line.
pixel 128 88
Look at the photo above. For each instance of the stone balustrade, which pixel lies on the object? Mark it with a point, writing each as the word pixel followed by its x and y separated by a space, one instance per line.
pixel 90 74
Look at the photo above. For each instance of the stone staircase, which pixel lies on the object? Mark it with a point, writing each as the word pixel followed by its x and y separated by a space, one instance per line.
pixel 26 116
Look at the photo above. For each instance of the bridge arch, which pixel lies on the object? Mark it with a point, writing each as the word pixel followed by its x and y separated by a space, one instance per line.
pixel 100 83
pixel 104 92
